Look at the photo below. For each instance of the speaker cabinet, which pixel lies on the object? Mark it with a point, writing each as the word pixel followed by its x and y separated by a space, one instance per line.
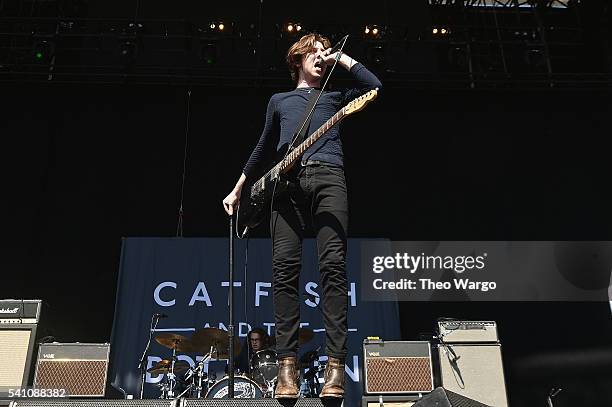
pixel 16 347
pixel 474 371
pixel 395 367
pixel 79 368
pixel 443 398
pixel 389 401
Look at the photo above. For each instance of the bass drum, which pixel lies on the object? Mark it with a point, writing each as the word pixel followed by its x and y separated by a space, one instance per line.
pixel 244 388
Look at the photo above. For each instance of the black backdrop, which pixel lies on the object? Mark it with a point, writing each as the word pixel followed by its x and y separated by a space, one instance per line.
pixel 85 166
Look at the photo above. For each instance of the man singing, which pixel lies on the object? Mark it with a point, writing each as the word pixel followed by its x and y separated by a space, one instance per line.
pixel 316 201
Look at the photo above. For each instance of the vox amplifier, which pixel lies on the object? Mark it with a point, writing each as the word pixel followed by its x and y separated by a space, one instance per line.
pixel 79 368
pixel 397 367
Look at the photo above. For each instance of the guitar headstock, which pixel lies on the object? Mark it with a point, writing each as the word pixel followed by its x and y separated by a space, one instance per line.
pixel 359 103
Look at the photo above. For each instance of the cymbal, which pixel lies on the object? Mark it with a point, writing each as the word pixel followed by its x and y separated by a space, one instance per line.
pixel 305 335
pixel 164 365
pixel 204 338
pixel 175 341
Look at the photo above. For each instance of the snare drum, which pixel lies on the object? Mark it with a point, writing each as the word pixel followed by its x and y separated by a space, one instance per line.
pixel 244 388
pixel 264 367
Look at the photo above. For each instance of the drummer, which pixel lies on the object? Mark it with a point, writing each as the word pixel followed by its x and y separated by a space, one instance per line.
pixel 257 339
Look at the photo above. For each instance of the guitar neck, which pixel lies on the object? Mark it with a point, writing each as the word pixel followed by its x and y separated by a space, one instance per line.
pixel 288 162
pixel 297 152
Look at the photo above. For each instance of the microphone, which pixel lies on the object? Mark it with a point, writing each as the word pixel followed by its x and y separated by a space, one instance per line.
pixel 339 45
pixel 159 315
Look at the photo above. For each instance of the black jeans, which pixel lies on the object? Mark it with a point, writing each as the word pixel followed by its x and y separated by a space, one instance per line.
pixel 316 201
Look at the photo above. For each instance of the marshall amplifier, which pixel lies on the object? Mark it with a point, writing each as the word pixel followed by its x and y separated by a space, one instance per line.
pixel 79 368
pixel 394 367
pixel 456 331
pixel 19 311
pixel 18 322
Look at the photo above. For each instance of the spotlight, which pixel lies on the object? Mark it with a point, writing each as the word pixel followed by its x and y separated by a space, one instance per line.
pixel 434 31
pixel 293 27
pixel 373 31
pixel 218 26
pixel 443 31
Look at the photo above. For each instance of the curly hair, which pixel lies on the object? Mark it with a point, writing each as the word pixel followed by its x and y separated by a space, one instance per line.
pixel 302 47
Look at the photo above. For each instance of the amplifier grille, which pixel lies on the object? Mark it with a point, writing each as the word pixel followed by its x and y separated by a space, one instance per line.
pixel 78 377
pixel 398 375
pixel 14 346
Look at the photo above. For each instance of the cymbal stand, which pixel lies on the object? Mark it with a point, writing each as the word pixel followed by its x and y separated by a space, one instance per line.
pixel 200 369
pixel 171 375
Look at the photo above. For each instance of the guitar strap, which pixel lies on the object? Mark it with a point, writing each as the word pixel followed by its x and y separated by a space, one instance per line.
pixel 305 122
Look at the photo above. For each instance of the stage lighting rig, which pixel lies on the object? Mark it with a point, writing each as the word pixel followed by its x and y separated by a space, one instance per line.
pixel 293 28
pixel 219 27
pixel 440 31
pixel 373 31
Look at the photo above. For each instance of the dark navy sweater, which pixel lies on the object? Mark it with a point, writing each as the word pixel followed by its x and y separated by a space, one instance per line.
pixel 286 110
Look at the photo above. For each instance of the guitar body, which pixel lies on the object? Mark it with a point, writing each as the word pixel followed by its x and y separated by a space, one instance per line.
pixel 256 198
pixel 255 203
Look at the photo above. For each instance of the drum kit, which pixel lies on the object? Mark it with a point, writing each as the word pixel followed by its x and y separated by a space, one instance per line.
pixel 183 380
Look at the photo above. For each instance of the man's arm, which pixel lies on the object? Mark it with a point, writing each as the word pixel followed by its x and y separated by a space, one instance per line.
pixel 366 80
pixel 232 200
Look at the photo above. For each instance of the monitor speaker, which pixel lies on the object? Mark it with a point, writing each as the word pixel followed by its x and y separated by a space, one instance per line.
pixel 441 397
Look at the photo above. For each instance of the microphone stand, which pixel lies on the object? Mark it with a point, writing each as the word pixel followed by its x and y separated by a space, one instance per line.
pixel 142 366
pixel 230 298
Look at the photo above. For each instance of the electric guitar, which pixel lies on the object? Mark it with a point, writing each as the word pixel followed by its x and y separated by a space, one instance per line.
pixel 256 197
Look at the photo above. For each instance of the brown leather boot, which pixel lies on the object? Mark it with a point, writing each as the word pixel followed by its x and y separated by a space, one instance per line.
pixel 334 379
pixel 287 386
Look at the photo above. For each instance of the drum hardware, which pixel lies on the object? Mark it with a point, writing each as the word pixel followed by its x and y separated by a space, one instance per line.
pixel 309 384
pixel 263 366
pixel 200 380
pixel 170 367
pixel 244 388
pixel 264 370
